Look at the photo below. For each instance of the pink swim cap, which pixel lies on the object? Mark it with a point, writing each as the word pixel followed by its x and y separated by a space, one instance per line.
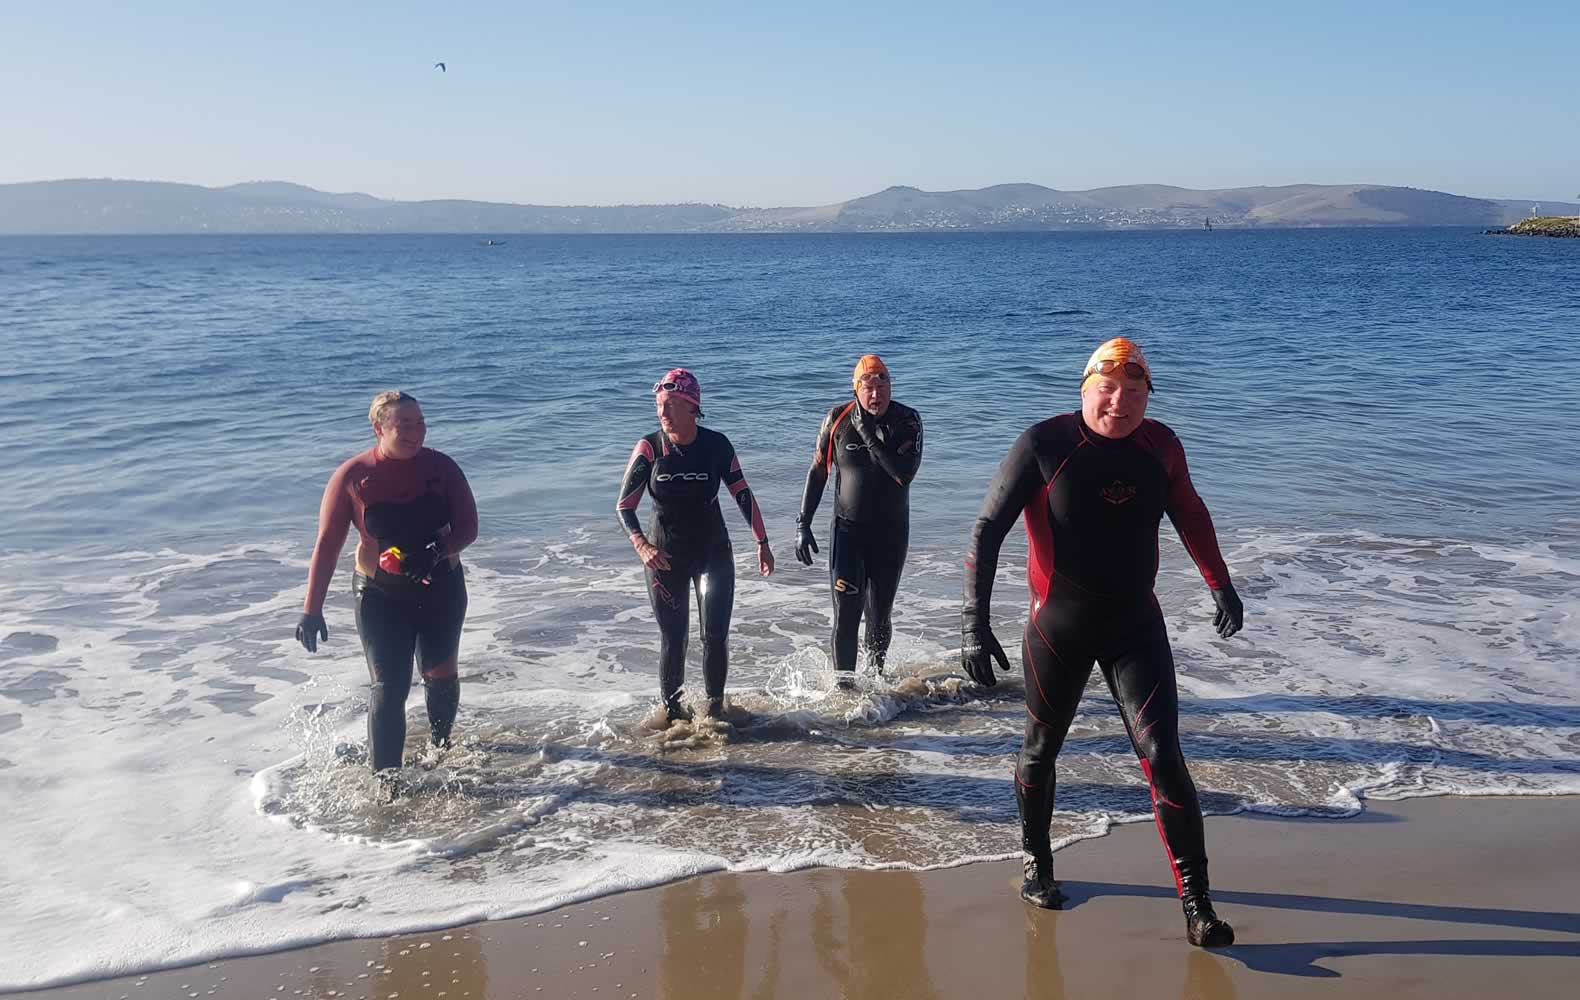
pixel 679 382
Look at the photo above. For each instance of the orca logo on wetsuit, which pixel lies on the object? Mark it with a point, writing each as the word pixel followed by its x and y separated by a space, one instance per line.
pixel 1117 493
pixel 665 477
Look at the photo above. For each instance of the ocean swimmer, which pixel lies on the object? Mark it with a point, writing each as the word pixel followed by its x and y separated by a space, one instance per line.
pixel 873 447
pixel 683 464
pixel 1094 486
pixel 414 513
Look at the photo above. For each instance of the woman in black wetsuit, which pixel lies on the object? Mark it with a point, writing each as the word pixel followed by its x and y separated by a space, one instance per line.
pixel 682 465
pixel 1094 486
pixel 414 513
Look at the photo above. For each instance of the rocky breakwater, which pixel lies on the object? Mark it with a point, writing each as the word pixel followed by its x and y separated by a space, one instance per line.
pixel 1543 225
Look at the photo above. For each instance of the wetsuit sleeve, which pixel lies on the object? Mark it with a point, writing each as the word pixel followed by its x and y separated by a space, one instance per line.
pixel 334 522
pixel 901 455
pixel 735 479
pixel 1190 518
pixel 817 475
pixel 631 487
pixel 1016 484
pixel 463 512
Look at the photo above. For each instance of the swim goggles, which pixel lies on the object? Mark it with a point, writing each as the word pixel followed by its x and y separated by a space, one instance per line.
pixel 869 377
pixel 1131 369
pixel 670 387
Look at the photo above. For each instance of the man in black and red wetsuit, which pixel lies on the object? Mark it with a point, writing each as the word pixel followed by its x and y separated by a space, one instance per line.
pixel 1094 486
pixel 873 445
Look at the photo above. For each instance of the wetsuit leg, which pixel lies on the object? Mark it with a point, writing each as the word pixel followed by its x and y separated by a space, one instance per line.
pixel 1056 661
pixel 885 563
pixel 715 603
pixel 388 630
pixel 438 646
pixel 1140 673
pixel 847 572
pixel 667 588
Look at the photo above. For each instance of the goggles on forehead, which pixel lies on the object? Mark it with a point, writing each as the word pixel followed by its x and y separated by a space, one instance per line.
pixel 869 377
pixel 669 387
pixel 1131 369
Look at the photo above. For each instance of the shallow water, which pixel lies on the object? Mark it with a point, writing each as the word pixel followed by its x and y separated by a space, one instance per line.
pixel 1382 422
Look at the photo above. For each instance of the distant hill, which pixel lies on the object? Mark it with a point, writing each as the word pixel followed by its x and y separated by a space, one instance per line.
pixel 1031 206
pixel 104 207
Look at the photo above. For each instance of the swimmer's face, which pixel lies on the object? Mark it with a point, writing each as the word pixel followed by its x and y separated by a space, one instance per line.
pixel 872 390
pixel 1113 405
pixel 403 431
pixel 678 416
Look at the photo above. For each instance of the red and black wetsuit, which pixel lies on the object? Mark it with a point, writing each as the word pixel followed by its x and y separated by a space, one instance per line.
pixel 688 525
pixel 873 460
pixel 406 503
pixel 1093 507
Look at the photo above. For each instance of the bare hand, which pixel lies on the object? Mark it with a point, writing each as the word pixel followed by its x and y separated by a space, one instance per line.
pixel 765 559
pixel 651 555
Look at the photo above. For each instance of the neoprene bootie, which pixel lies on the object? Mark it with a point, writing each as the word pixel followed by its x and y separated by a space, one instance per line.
pixel 1203 927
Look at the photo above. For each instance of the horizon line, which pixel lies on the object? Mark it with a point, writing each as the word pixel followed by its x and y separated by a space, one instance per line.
pixel 765 206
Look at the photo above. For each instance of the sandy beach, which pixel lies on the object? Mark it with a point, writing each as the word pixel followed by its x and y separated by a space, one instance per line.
pixel 1444 897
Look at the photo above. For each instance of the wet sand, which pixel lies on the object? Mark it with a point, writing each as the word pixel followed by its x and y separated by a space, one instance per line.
pixel 1448 897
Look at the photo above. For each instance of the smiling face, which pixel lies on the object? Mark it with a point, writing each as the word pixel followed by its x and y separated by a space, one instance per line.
pixel 401 431
pixel 1113 405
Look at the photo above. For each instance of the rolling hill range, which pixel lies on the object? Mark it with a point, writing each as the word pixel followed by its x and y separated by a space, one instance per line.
pixel 106 207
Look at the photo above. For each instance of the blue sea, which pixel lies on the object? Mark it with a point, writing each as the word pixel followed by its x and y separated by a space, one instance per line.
pixel 1384 424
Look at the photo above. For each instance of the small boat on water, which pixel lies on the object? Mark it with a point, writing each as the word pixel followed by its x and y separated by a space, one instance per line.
pixel 1208 223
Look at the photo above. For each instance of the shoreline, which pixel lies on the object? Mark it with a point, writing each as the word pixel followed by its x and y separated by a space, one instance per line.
pixel 1453 895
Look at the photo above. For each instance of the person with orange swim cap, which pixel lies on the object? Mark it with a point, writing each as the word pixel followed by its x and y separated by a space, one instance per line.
pixel 872 446
pixel 1094 486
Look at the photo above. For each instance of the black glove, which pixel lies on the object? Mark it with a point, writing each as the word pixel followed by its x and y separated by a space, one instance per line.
pixel 978 649
pixel 805 544
pixel 1231 613
pixel 865 425
pixel 309 630
pixel 418 566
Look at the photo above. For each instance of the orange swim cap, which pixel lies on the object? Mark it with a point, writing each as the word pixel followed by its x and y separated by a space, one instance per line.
pixel 868 364
pixel 1120 356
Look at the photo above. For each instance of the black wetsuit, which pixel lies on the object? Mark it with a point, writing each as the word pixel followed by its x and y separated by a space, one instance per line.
pixel 1093 507
pixel 689 526
pixel 408 504
pixel 874 460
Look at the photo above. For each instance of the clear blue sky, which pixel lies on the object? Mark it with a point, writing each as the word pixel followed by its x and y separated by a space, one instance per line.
pixel 793 104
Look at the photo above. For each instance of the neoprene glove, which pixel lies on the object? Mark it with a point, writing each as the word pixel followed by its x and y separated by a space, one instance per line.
pixel 309 629
pixel 865 425
pixel 418 566
pixel 805 543
pixel 979 649
pixel 1231 613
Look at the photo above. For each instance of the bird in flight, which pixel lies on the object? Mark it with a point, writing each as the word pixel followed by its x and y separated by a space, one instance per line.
pixel 440 67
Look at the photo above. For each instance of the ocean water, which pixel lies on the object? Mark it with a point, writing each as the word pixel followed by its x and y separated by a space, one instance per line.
pixel 1384 424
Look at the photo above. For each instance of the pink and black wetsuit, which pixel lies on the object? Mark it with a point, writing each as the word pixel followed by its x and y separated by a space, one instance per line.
pixel 405 503
pixel 687 523
pixel 1093 507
